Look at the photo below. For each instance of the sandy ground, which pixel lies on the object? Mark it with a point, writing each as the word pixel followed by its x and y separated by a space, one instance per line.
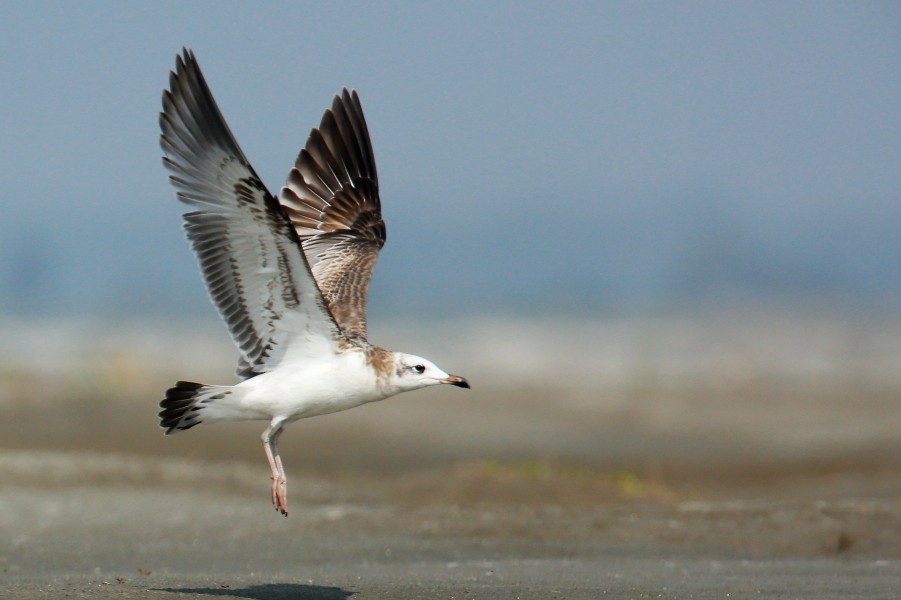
pixel 100 525
pixel 767 467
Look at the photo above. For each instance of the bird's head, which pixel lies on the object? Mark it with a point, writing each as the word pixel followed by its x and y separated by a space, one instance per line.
pixel 414 372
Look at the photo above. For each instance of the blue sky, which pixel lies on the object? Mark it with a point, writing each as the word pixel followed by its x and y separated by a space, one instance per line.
pixel 533 157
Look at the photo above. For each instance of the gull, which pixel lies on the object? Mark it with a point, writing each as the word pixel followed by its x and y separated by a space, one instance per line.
pixel 288 275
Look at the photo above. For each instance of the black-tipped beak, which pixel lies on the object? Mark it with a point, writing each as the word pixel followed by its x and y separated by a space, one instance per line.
pixel 457 381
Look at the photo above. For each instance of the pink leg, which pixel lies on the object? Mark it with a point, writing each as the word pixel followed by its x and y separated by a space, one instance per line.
pixel 279 480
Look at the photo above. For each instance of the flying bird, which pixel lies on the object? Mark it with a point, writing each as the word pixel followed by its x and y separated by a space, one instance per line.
pixel 288 274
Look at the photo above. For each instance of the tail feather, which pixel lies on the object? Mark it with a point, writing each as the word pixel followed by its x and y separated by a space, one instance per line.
pixel 185 402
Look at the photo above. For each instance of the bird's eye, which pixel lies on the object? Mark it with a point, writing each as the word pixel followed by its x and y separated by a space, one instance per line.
pixel 419 368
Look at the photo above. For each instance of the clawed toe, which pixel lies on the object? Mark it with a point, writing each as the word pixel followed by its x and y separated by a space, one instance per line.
pixel 280 494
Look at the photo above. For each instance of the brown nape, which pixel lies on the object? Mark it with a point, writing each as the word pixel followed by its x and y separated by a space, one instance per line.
pixel 381 360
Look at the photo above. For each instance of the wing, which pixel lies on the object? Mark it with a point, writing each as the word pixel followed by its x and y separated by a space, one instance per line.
pixel 332 199
pixel 249 253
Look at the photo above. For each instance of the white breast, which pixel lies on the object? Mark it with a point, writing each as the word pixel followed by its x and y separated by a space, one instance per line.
pixel 296 390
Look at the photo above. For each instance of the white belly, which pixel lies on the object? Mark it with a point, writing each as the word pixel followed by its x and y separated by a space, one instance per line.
pixel 297 391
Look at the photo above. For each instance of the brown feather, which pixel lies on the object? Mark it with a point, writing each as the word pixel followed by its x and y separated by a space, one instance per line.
pixel 381 360
pixel 331 197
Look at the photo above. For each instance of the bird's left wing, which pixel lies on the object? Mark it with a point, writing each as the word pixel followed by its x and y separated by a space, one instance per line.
pixel 252 262
pixel 332 198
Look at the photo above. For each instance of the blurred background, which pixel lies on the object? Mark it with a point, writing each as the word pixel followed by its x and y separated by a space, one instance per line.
pixel 653 235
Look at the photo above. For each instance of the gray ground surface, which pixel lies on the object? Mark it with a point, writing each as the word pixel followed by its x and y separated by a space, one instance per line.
pixel 91 525
pixel 664 459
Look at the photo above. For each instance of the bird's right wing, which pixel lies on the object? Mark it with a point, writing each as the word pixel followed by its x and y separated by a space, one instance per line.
pixel 255 270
